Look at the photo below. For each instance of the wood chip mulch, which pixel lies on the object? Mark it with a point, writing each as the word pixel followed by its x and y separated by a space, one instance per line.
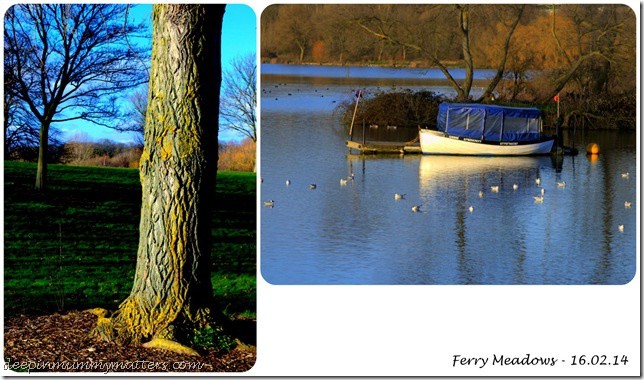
pixel 61 343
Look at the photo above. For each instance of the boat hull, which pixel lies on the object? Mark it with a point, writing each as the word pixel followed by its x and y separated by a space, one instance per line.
pixel 436 142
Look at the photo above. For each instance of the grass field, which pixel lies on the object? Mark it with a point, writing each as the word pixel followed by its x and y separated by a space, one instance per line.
pixel 74 247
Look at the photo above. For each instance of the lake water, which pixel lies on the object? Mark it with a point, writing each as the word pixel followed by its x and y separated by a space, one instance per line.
pixel 359 234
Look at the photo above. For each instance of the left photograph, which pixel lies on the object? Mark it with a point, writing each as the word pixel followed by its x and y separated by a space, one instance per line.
pixel 129 188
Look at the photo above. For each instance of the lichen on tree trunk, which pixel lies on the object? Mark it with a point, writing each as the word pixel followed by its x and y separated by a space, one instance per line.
pixel 172 290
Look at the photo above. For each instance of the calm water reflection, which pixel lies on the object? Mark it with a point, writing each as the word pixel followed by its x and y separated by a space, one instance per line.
pixel 359 234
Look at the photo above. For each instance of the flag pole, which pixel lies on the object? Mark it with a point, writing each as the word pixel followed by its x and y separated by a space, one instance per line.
pixel 557 99
pixel 354 114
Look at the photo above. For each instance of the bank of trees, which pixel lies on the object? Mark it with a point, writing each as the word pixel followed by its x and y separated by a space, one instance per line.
pixel 539 37
pixel 82 151
pixel 584 52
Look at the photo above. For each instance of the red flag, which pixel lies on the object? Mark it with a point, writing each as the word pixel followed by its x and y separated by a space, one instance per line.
pixel 557 98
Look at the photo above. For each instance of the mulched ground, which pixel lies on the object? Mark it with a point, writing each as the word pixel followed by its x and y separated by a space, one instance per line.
pixel 63 340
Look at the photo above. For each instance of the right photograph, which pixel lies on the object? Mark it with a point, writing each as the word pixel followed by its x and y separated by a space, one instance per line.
pixel 448 144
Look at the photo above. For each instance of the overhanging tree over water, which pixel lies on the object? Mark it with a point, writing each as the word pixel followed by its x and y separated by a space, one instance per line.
pixel 395 29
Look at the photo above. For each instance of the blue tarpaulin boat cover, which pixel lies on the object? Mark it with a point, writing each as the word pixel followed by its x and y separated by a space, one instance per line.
pixel 490 123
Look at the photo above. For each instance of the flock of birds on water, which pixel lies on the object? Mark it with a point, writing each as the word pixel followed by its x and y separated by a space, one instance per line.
pixel 494 189
pixel 268 92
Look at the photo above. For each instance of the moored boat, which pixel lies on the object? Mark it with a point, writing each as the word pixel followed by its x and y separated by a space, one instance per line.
pixel 486 130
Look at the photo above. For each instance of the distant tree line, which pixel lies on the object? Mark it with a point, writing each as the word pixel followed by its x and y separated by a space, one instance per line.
pixel 584 52
pixel 82 151
pixel 237 156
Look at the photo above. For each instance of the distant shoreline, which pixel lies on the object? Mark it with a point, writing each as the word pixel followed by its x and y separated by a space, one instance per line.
pixel 393 65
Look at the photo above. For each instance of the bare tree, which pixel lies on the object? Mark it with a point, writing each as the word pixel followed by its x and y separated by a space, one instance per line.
pixel 19 124
pixel 238 103
pixel 72 61
pixel 139 101
pixel 138 107
pixel 598 44
pixel 295 29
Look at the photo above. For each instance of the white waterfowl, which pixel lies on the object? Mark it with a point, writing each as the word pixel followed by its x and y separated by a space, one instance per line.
pixel 625 175
pixel 313 186
pixel 288 182
pixel 543 191
pixel 538 199
pixel 561 184
pixel 343 181
pixel 620 228
pixel 537 181
pixel 399 196
pixel 627 204
pixel 471 209
pixel 415 208
pixel 495 189
pixel 480 194
pixel 270 203
pixel 515 186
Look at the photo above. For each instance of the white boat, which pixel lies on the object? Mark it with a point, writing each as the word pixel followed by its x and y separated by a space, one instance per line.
pixel 435 142
pixel 486 130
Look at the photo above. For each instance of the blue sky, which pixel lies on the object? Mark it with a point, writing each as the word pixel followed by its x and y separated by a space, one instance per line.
pixel 238 38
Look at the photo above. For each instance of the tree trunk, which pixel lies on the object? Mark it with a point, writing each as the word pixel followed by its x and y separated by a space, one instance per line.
pixel 172 292
pixel 301 47
pixel 464 27
pixel 41 173
pixel 6 129
pixel 516 83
